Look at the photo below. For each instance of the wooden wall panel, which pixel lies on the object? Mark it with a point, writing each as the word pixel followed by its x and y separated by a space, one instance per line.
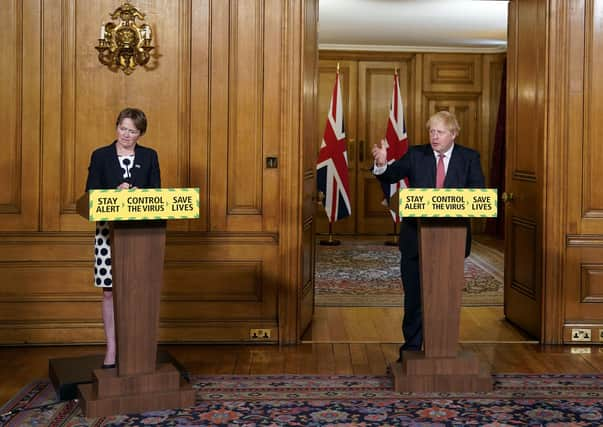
pixel 219 121
pixel 205 276
pixel 48 313
pixel 41 281
pixel 198 174
pixel 576 97
pixel 271 121
pixel 244 161
pixel 11 20
pixel 206 283
pixel 583 291
pixel 591 283
pixel 20 114
pixel 452 73
pixel 584 274
pixel 222 280
pixel 52 53
pixel 245 90
pixel 78 332
pixel 592 155
pixel 45 298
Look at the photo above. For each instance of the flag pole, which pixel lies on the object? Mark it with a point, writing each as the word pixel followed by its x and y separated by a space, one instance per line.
pixel 331 241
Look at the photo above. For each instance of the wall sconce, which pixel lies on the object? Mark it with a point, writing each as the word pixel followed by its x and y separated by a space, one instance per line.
pixel 125 44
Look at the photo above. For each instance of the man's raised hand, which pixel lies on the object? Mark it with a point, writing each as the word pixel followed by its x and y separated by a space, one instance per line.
pixel 379 153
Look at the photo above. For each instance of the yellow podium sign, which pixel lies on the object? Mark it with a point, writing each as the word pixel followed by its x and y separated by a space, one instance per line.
pixel 448 202
pixel 143 203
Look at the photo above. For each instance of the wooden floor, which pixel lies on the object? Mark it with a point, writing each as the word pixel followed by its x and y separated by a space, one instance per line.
pixel 383 325
pixel 341 341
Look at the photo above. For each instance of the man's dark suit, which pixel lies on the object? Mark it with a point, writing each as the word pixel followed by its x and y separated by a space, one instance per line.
pixel 105 172
pixel 418 165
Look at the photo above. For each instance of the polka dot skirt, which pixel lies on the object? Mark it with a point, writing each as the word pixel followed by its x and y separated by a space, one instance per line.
pixel 102 241
pixel 102 255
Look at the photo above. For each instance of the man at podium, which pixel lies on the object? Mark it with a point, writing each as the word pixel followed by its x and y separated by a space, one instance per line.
pixel 440 164
pixel 123 164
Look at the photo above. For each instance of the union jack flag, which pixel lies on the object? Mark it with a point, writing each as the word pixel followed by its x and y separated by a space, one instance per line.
pixel 396 143
pixel 332 165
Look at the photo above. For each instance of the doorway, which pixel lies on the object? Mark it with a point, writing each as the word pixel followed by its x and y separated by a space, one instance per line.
pixel 468 84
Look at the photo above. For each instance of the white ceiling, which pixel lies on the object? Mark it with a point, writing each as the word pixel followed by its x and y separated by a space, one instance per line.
pixel 402 25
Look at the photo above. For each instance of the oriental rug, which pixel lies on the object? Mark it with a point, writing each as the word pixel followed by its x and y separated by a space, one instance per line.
pixel 367 274
pixel 310 400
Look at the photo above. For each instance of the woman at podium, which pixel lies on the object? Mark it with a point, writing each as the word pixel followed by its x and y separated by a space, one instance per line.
pixel 124 164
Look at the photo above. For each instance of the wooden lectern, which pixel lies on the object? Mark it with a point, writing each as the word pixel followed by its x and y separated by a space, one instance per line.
pixel 138 384
pixel 441 367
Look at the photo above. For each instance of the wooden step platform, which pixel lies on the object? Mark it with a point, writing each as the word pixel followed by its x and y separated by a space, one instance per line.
pixel 110 394
pixel 417 373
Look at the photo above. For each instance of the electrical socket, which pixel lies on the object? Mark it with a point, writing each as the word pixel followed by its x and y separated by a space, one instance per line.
pixel 580 334
pixel 260 334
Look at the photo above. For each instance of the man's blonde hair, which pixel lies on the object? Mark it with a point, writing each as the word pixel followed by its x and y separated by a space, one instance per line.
pixel 448 119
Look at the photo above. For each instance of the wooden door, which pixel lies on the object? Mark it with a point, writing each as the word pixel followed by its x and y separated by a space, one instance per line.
pixel 524 164
pixel 326 79
pixel 309 126
pixel 375 83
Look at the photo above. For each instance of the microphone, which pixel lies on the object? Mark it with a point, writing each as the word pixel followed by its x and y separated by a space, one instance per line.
pixel 127 169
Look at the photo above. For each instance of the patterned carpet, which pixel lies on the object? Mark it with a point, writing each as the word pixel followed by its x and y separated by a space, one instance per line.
pixel 302 400
pixel 363 273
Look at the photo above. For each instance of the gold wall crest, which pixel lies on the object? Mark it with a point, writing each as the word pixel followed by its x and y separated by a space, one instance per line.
pixel 125 44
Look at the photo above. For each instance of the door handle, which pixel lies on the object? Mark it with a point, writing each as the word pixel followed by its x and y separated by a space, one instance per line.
pixel 507 197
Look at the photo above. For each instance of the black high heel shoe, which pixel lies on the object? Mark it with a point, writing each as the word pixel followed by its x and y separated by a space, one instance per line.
pixel 110 366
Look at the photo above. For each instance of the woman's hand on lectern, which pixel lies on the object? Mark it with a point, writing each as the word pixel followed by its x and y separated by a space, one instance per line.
pixel 124 186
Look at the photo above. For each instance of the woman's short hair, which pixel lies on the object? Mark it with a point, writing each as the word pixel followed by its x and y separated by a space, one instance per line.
pixel 136 115
pixel 447 118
